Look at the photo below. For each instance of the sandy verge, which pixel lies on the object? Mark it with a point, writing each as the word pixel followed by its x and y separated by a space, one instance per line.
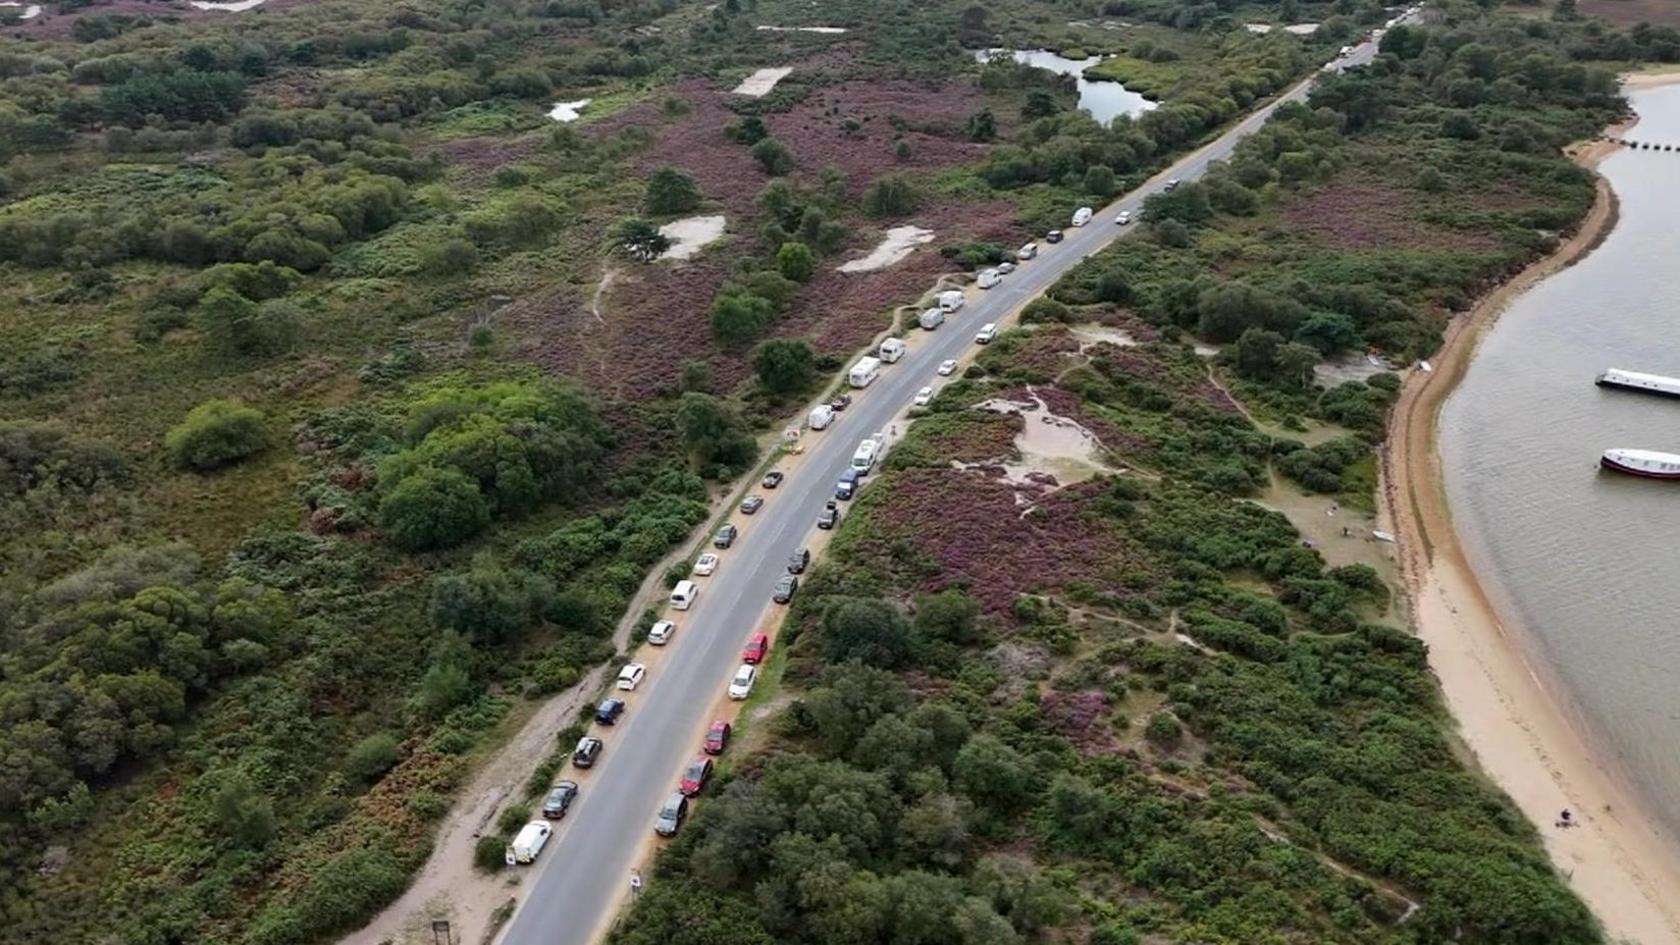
pixel 568 111
pixel 825 30
pixel 237 6
pixel 1520 734
pixel 689 234
pixel 1650 80
pixel 761 82
pixel 899 243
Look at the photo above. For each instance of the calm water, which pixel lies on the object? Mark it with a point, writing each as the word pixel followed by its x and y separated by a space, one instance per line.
pixel 1105 100
pixel 1588 562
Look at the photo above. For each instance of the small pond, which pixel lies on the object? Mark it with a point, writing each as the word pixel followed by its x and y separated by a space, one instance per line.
pixel 1105 100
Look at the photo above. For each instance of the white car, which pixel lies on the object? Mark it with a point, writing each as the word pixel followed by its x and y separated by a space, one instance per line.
pixel 947 367
pixel 631 676
pixel 1027 252
pixel 741 686
pixel 923 397
pixel 660 633
pixel 1005 268
pixel 705 564
pixel 1124 218
pixel 988 331
pixel 1171 185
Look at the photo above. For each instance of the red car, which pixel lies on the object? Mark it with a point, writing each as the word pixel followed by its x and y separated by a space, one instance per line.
pixel 695 778
pixel 756 648
pixel 717 737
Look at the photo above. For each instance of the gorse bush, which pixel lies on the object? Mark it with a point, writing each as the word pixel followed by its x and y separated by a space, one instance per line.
pixel 216 433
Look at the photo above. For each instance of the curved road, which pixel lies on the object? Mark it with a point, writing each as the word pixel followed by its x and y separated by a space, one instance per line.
pixel 575 887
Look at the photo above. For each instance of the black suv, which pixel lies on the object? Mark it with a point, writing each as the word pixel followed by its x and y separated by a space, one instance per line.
pixel 785 588
pixel 799 561
pixel 559 799
pixel 587 750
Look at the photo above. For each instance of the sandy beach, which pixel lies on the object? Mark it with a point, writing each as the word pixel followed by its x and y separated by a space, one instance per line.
pixel 1615 856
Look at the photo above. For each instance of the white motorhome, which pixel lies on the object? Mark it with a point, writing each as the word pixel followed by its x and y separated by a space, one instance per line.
pixel 530 842
pixel 950 300
pixel 864 372
pixel 1082 216
pixel 864 459
pixel 821 416
pixel 988 278
pixel 931 319
pixel 684 595
pixel 891 350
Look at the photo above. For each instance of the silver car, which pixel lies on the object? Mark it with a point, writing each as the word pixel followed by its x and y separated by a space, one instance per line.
pixel 671 815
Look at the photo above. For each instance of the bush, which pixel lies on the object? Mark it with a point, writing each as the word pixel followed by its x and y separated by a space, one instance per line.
pixel 216 433
pixel 372 757
pixel 433 508
pixel 490 853
pixel 795 262
pixel 785 366
pixel 512 818
pixel 1163 730
pixel 891 196
pixel 773 156
pixel 670 191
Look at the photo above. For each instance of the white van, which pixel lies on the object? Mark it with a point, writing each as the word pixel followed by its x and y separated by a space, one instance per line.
pixel 891 350
pixel 529 843
pixel 1082 216
pixel 950 300
pixel 864 372
pixel 821 416
pixel 931 319
pixel 988 278
pixel 864 459
pixel 684 595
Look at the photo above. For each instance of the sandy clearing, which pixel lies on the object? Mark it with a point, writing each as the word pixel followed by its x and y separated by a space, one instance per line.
pixel 1650 80
pixel 825 30
pixel 1092 334
pixel 1519 732
pixel 761 82
pixel 1320 520
pixel 1346 367
pixel 568 111
pixel 235 6
pixel 1301 29
pixel 898 243
pixel 689 234
pixel 30 12
pixel 1049 445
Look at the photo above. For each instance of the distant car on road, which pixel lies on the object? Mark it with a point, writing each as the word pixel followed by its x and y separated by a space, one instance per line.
pixel 1081 216
pixel 923 397
pixel 1171 185
pixel 1124 218
pixel 772 479
pixel 841 402
pixel 717 738
pixel 948 367
pixel 1054 236
pixel 725 536
pixel 631 676
pixel 587 750
pixel 660 633
pixel 829 516
pixel 799 561
pixel 756 649
pixel 785 586
pixel 705 564
pixel 741 686
pixel 671 815
pixel 609 710
pixel 1027 252
pixel 564 793
pixel 1005 268
pixel 988 331
pixel 751 504
pixel 695 778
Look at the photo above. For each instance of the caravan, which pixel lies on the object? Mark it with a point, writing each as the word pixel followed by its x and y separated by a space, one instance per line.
pixel 931 319
pixel 864 459
pixel 891 350
pixel 864 372
pixel 988 278
pixel 950 300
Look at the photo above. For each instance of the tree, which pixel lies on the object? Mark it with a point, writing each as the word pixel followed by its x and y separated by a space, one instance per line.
pixel 1099 180
pixel 991 772
pixel 948 615
pixel 433 508
pixel 1040 104
pixel 696 376
pixel 785 365
pixel 982 125
pixel 488 603
pixel 867 630
pixel 1256 353
pixel 795 261
pixel 243 814
pixel 228 320
pixel 670 192
pixel 739 317
pixel 773 156
pixel 1295 363
pixel 891 196
pixel 216 433
pixel 1328 332
pixel 641 239
pixel 713 432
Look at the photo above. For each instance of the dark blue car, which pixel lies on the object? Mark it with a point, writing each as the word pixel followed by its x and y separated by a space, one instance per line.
pixel 609 710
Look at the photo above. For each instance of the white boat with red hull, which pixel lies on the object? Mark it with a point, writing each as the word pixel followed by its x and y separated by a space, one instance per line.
pixel 1646 463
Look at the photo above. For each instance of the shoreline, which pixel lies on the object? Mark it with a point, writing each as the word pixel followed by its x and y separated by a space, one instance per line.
pixel 1522 737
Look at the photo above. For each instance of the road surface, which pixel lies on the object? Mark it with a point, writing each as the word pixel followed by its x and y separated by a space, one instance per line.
pixel 576 886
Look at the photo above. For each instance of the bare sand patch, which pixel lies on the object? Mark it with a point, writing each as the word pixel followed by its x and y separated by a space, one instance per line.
pixel 30 12
pixel 1348 367
pixel 568 111
pixel 1301 29
pixel 231 6
pixel 1054 450
pixel 689 234
pixel 1092 334
pixel 825 30
pixel 761 82
pixel 899 242
pixel 1320 519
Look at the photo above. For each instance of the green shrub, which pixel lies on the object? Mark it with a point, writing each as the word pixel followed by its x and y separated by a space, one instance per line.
pixel 216 433
pixel 433 508
pixel 490 853
pixel 512 818
pixel 372 757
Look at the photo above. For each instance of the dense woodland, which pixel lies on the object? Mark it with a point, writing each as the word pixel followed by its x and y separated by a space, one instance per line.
pixel 345 410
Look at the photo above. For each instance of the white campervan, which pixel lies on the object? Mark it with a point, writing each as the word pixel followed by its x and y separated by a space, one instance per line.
pixel 891 350
pixel 684 595
pixel 1082 216
pixel 950 300
pixel 864 459
pixel 821 416
pixel 988 278
pixel 864 372
pixel 529 843
pixel 931 319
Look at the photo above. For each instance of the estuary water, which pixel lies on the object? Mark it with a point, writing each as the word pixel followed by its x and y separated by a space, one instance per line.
pixel 1586 563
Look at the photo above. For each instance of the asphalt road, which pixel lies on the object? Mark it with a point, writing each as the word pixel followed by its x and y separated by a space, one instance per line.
pixel 584 871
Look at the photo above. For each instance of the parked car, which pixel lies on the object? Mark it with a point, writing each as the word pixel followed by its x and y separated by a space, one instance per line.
pixel 587 750
pixel 1081 216
pixel 660 633
pixel 671 815
pixel 799 561
pixel 528 844
pixel 609 710
pixel 1054 236
pixel 1171 185
pixel 756 649
pixel 1005 268
pixel 717 738
pixel 705 564
pixel 947 367
pixel 741 686
pixel 785 586
pixel 751 504
pixel 772 479
pixel 1027 252
pixel 847 487
pixel 695 778
pixel 631 676
pixel 1124 218
pixel 987 332
pixel 923 397
pixel 829 517
pixel 725 536
pixel 560 798
pixel 841 402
